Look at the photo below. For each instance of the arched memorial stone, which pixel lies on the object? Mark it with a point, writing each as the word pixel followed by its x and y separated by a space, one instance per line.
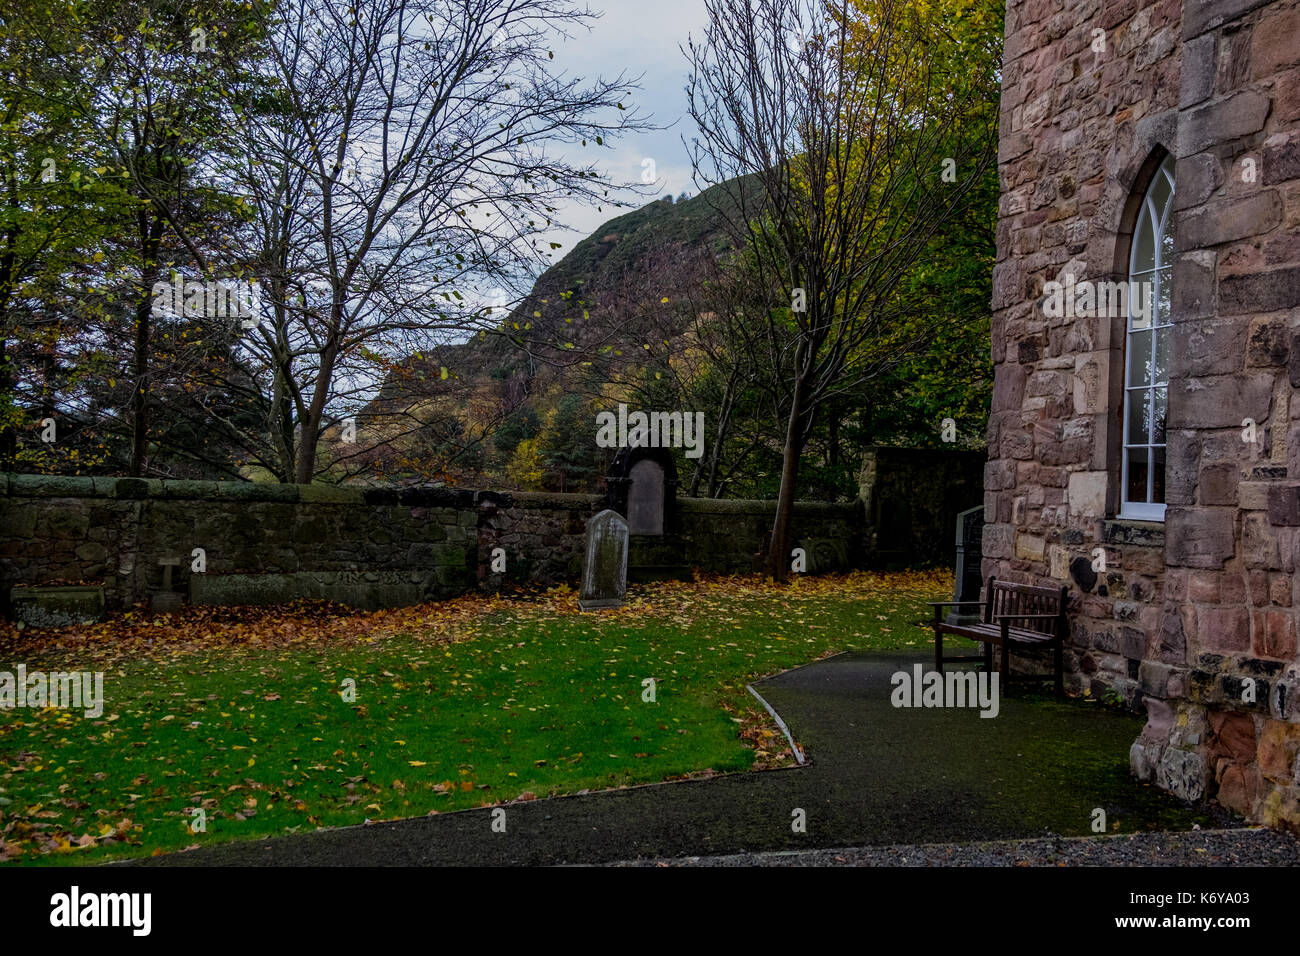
pixel 604 566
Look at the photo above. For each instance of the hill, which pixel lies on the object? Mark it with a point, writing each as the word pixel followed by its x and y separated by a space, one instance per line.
pixel 584 323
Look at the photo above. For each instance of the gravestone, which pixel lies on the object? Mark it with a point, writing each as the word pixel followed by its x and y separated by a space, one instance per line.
pixel 645 498
pixel 604 567
pixel 641 485
pixel 57 606
pixel 970 554
pixel 368 590
pixel 167 601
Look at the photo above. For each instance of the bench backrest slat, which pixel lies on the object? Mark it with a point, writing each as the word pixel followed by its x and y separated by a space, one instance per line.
pixel 1003 598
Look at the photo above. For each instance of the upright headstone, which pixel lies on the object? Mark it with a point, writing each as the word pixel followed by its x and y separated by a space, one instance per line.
pixel 645 498
pixel 970 554
pixel 604 568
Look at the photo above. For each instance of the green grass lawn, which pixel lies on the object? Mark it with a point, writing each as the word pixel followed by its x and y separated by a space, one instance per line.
pixel 509 699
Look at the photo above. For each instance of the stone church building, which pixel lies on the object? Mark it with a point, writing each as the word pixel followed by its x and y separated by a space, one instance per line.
pixel 1144 439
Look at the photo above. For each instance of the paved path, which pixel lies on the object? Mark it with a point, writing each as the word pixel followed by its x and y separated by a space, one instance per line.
pixel 1201 848
pixel 878 776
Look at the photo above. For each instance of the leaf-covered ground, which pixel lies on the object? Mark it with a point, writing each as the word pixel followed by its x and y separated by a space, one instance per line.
pixel 242 712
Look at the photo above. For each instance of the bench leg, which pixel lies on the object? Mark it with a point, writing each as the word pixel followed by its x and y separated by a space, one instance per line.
pixel 938 651
pixel 988 658
pixel 1004 667
pixel 1059 662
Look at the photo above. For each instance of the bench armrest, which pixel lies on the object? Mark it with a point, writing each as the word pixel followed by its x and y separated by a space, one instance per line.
pixel 956 603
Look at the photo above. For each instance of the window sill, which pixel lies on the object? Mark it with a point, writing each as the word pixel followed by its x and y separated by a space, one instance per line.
pixel 1142 532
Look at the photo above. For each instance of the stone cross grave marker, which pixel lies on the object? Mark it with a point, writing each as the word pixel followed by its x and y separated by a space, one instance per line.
pixel 604 568
pixel 167 601
pixel 645 498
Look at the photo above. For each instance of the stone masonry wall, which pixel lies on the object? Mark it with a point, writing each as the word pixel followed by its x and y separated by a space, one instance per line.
pixel 725 534
pixel 430 543
pixel 1194 618
pixel 912 498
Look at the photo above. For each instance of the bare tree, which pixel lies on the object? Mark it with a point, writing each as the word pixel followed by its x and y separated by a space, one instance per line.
pixel 412 163
pixel 863 142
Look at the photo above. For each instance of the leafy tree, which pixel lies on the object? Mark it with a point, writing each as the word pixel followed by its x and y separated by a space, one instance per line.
pixel 567 448
pixel 524 470
pixel 849 126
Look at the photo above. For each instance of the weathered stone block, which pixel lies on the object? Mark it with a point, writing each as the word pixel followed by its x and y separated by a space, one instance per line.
pixel 364 589
pixel 1232 117
pixel 1199 537
pixel 71 522
pixel 1284 505
pixel 189 489
pixel 51 486
pixel 1029 546
pixel 58 606
pixel 1196 75
pixel 1224 629
pixel 1253 495
pixel 1232 735
pixel 1087 493
pixel 131 488
pixel 1220 402
pixel 1279 742
pixel 1228 220
pixel 18 519
pixel 1218 483
pixel 1262 291
pixel 1239 787
pixel 1009 387
pixel 1275 634
pixel 1203 587
pixel 1273 45
pixel 1154 680
pixel 1182 773
pixel 1281 163
pixel 327 494
pixel 1202 15
pixel 92 552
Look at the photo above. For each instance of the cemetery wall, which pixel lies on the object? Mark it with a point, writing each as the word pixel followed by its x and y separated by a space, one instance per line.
pixel 726 535
pixel 261 541
pixel 1194 617
pixel 912 497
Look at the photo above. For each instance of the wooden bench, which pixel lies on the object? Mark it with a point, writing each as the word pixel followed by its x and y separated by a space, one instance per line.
pixel 1012 614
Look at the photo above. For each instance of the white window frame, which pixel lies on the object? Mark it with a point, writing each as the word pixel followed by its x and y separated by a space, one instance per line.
pixel 1158 220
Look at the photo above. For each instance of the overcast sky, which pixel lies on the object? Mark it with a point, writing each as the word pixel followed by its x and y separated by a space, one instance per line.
pixel 640 37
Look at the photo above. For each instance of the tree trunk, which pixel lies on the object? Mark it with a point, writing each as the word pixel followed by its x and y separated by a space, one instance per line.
pixel 280 414
pixel 778 555
pixel 715 452
pixel 315 414
pixel 8 435
pixel 140 369
pixel 833 452
pixel 151 233
pixel 281 424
